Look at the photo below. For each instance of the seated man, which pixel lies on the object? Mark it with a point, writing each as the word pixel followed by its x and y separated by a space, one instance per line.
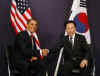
pixel 76 50
pixel 27 56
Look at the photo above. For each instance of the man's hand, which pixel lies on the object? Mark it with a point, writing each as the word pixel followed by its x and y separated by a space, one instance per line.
pixel 84 63
pixel 33 59
pixel 44 52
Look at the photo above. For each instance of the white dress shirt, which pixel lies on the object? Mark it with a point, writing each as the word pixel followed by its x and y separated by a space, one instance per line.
pixel 73 37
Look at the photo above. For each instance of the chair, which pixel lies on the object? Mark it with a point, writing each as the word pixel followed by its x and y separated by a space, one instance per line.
pixel 91 64
pixel 10 60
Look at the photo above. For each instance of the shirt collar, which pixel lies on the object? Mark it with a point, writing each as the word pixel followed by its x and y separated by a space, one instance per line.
pixel 72 36
pixel 28 32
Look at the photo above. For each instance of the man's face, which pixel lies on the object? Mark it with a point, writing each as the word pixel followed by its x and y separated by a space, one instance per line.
pixel 70 29
pixel 32 26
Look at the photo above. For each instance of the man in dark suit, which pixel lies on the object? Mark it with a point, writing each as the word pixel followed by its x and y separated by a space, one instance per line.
pixel 27 57
pixel 76 50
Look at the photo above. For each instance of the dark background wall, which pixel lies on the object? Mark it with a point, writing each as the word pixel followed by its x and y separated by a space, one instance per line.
pixel 94 15
pixel 50 15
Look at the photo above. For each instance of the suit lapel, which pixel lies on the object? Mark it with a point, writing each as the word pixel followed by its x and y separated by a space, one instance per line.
pixel 75 41
pixel 27 37
pixel 68 43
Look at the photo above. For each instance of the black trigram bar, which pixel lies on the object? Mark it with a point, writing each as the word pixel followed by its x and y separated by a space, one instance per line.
pixel 67 12
pixel 83 3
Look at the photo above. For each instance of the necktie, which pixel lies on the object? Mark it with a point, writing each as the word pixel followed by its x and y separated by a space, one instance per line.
pixel 71 41
pixel 33 42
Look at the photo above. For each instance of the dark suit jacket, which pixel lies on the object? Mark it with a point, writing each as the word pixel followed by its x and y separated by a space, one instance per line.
pixel 79 51
pixel 23 48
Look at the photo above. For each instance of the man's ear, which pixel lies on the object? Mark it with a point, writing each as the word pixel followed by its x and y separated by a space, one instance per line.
pixel 65 32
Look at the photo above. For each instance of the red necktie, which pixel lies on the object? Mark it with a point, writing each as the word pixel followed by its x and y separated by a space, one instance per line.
pixel 33 42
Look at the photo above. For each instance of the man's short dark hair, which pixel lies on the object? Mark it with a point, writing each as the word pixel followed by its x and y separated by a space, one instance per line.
pixel 29 20
pixel 67 22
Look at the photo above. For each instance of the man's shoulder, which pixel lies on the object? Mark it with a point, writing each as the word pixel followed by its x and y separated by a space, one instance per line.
pixel 21 34
pixel 79 36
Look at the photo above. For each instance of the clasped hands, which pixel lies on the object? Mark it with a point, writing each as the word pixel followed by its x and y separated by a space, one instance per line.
pixel 44 53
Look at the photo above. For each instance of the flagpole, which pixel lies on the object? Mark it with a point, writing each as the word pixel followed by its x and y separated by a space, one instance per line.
pixel 58 62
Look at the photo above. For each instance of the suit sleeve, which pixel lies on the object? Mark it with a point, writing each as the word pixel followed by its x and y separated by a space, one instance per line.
pixel 22 45
pixel 60 43
pixel 85 47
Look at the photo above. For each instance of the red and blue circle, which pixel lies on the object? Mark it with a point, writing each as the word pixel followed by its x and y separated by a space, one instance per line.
pixel 81 23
